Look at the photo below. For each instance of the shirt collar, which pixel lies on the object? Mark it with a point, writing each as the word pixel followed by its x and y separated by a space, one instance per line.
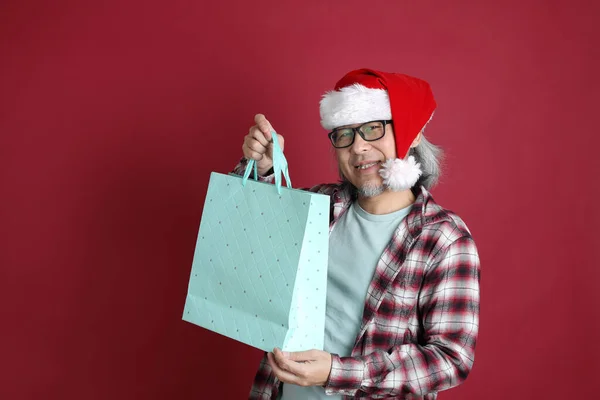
pixel 425 210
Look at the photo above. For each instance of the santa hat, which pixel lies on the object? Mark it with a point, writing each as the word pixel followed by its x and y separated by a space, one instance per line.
pixel 366 95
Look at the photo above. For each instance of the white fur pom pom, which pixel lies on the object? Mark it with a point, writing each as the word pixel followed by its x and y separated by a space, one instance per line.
pixel 400 174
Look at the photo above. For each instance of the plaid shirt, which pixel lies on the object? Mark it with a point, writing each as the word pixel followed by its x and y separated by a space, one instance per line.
pixel 421 315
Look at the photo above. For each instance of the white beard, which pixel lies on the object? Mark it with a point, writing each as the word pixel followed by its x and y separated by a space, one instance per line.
pixel 370 189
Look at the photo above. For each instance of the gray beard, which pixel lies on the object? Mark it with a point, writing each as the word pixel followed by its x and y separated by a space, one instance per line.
pixel 370 190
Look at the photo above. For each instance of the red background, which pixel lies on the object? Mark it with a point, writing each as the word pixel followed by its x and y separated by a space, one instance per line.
pixel 113 114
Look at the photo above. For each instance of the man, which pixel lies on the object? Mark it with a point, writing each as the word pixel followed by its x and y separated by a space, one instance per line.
pixel 403 280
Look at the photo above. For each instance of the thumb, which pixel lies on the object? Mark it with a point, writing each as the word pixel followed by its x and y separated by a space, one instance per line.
pixel 301 356
pixel 264 125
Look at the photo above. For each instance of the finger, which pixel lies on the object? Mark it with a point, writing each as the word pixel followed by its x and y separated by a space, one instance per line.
pixel 280 373
pixel 264 125
pixel 258 134
pixel 256 145
pixel 253 155
pixel 302 356
pixel 252 149
pixel 289 365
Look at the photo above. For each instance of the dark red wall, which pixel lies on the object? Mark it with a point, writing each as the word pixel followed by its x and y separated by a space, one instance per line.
pixel 113 114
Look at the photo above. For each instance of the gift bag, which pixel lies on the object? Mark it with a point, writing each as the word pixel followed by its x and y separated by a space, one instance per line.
pixel 259 273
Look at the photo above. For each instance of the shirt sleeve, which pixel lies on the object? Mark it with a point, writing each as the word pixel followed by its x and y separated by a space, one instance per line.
pixel 266 385
pixel 449 305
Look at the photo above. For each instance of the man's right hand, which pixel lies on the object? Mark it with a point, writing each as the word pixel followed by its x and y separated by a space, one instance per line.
pixel 257 144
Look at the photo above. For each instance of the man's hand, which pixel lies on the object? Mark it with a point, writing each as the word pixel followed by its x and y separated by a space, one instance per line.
pixel 257 144
pixel 302 368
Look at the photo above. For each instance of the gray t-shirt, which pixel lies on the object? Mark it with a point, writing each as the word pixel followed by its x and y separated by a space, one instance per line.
pixel 355 246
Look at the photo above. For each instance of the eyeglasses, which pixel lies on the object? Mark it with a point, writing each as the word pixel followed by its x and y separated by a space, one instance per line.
pixel 370 131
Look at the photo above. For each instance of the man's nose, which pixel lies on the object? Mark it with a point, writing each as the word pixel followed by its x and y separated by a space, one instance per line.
pixel 360 145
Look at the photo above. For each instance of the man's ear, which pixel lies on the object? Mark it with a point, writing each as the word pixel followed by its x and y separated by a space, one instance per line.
pixel 417 140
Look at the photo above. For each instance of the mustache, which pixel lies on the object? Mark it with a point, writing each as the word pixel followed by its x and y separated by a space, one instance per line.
pixel 357 160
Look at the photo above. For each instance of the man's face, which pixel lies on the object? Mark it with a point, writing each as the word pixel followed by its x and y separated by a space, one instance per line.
pixel 360 162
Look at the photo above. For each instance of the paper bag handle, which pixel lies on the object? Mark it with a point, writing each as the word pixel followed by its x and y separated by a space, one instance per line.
pixel 280 166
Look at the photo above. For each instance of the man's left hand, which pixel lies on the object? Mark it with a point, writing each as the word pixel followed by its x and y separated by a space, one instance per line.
pixel 302 368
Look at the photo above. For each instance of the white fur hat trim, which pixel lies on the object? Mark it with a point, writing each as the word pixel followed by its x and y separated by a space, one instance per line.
pixel 400 174
pixel 354 104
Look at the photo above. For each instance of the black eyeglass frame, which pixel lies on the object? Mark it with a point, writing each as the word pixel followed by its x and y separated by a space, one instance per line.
pixel 357 130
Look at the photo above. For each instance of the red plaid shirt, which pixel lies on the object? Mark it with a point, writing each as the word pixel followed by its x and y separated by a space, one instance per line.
pixel 421 315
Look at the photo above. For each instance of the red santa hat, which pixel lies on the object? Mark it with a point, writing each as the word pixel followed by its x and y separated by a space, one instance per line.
pixel 366 95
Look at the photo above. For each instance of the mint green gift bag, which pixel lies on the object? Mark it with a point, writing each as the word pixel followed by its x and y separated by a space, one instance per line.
pixel 259 273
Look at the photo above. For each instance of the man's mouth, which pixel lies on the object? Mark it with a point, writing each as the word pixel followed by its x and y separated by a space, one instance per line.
pixel 367 165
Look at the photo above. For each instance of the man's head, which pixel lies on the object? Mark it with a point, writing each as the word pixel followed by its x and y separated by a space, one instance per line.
pixel 387 112
pixel 366 148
